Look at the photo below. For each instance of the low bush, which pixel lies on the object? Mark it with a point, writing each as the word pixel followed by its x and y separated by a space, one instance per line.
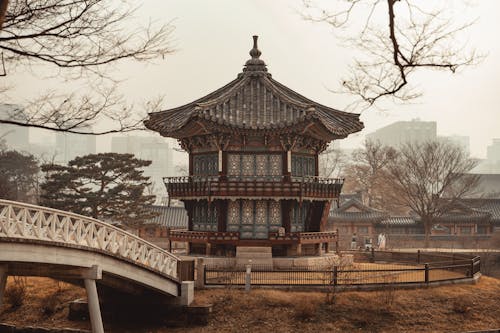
pixel 15 294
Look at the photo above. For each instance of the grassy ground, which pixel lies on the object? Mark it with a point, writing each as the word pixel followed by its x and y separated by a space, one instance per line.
pixel 442 309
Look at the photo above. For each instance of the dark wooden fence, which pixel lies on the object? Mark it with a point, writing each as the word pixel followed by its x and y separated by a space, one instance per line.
pixel 370 269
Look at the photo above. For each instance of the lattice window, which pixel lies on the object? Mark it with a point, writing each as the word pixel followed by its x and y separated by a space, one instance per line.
pixel 234 165
pixel 205 217
pixel 275 165
pixel 205 165
pixel 247 212
pixel 298 216
pixel 261 212
pixel 261 165
pixel 254 218
pixel 264 166
pixel 248 165
pixel 303 165
pixel 274 212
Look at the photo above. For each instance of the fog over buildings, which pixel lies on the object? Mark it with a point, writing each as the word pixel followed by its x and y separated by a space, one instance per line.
pixel 152 148
pixel 307 57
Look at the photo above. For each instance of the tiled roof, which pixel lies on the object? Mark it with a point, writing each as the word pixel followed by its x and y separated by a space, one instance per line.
pixel 254 101
pixel 492 206
pixel 353 210
pixel 399 221
pixel 172 217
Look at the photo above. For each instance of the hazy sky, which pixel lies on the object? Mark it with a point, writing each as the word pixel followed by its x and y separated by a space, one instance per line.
pixel 212 40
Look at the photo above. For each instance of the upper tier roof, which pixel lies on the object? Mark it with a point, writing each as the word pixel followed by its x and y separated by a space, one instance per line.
pixel 254 101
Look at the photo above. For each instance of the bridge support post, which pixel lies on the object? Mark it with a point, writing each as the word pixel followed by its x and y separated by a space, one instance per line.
pixel 94 308
pixel 3 283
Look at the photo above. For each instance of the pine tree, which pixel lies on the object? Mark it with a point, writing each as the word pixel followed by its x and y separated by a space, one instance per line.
pixel 18 176
pixel 106 186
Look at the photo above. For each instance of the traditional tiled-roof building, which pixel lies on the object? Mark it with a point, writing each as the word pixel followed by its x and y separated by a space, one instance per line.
pixel 466 223
pixel 253 164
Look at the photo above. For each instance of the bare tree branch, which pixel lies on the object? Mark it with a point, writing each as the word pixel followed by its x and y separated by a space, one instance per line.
pixel 79 39
pixel 82 114
pixel 415 38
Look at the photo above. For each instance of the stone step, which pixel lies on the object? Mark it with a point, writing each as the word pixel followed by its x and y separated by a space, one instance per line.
pixel 250 255
pixel 259 255
pixel 268 262
pixel 253 249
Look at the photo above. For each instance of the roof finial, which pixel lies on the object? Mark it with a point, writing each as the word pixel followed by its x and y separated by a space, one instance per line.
pixel 255 52
pixel 255 64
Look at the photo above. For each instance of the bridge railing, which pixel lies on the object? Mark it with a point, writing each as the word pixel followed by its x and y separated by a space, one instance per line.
pixel 30 222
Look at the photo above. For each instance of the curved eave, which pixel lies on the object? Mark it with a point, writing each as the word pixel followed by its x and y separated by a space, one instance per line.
pixel 172 122
pixel 309 127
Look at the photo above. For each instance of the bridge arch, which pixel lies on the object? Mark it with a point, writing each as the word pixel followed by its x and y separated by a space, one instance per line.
pixel 41 241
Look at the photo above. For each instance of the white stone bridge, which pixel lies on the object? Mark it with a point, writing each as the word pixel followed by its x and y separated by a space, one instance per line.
pixel 40 241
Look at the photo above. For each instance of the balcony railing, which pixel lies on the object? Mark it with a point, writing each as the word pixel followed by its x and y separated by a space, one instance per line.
pixel 253 186
pixel 233 237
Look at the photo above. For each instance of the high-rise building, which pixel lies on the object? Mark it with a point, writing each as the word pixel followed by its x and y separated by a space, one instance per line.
pixel 492 162
pixel 152 148
pixel 69 146
pixel 405 131
pixel 493 151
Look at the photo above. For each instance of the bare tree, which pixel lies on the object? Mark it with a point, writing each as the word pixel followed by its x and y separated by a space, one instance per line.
pixel 79 39
pixel 430 178
pixel 368 173
pixel 415 37
pixel 332 162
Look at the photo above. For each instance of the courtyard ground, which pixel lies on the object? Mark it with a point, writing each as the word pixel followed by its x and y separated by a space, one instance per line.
pixel 455 308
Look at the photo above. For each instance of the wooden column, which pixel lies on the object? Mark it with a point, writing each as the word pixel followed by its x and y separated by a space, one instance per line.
pixel 221 206
pixel 286 173
pixel 3 283
pixel 188 204
pixel 324 218
pixel 316 165
pixel 190 164
pixel 285 215
pixel 223 173
pixel 94 308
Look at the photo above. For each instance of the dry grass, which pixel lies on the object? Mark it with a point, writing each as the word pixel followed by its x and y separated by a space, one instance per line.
pixel 455 308
pixel 45 304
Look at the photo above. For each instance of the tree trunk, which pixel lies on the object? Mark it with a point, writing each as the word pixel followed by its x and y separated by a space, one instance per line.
pixel 3 10
pixel 427 230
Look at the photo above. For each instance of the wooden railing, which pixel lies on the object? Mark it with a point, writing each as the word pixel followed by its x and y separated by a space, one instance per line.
pixel 203 236
pixel 379 272
pixel 254 186
pixel 274 237
pixel 28 222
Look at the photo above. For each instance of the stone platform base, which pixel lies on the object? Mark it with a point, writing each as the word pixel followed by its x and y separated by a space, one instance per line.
pixel 326 260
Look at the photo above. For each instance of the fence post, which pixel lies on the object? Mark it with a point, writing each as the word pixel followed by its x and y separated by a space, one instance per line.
pixel 200 273
pixel 335 275
pixel 418 256
pixel 248 276
pixel 426 273
pixel 337 242
pixel 3 283
pixel 372 259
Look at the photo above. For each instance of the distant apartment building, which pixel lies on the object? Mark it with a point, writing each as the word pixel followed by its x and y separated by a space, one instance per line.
pixel 69 146
pixel 404 131
pixel 492 162
pixel 459 140
pixel 493 151
pixel 152 148
pixel 14 137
